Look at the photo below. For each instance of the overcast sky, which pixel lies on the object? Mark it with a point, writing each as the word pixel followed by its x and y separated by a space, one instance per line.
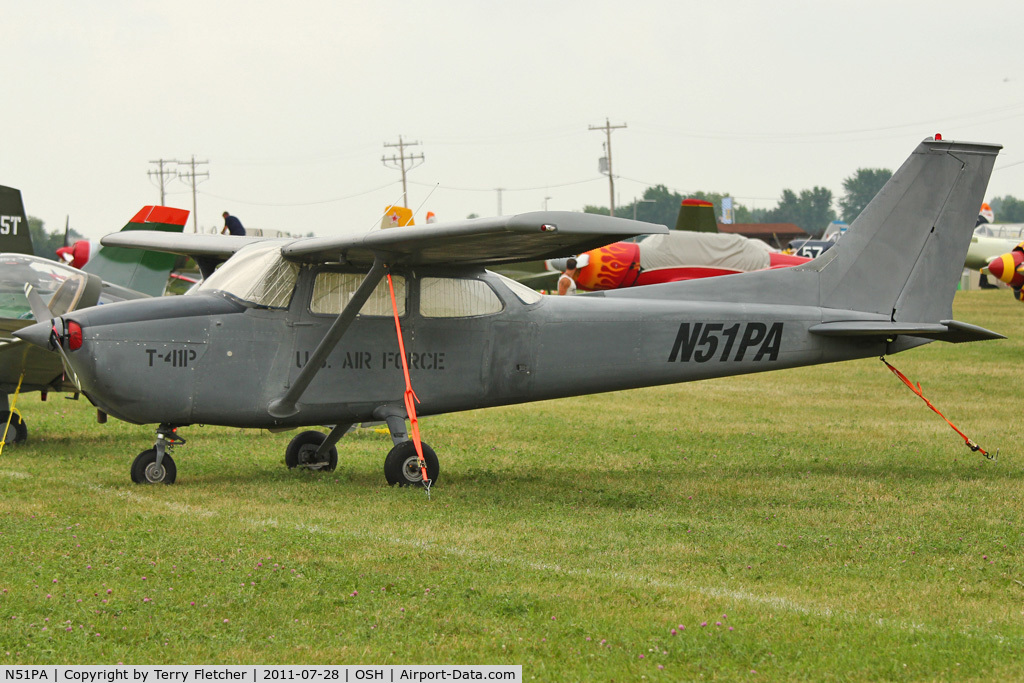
pixel 292 102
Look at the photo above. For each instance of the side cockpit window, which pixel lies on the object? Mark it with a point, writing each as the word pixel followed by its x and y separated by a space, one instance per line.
pixel 523 293
pixel 333 291
pixel 256 274
pixel 59 286
pixel 443 297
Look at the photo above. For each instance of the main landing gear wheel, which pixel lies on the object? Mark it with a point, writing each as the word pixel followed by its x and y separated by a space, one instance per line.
pixel 146 471
pixel 301 452
pixel 18 432
pixel 402 466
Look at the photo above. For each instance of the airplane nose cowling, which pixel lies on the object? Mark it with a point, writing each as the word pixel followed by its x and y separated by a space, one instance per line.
pixel 1006 268
pixel 38 334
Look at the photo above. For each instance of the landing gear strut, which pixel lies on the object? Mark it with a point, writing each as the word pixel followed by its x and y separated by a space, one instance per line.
pixel 155 466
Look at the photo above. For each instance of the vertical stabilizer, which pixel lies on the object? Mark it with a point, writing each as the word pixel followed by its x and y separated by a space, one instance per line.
pixel 142 271
pixel 696 215
pixel 15 237
pixel 904 254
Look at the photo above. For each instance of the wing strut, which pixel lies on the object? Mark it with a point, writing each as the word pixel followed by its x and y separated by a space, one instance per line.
pixel 286 405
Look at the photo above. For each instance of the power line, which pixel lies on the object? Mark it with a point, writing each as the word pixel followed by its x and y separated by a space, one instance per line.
pixel 291 204
pixel 505 189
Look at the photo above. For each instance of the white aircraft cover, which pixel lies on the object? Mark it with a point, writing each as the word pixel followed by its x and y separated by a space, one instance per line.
pixel 709 249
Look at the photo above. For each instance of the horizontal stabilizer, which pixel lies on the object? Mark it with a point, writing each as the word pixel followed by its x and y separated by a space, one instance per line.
pixel 952 331
pixel 208 251
pixel 222 246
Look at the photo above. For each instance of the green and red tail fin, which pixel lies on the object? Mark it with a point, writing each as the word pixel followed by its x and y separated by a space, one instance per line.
pixel 15 237
pixel 142 271
pixel 697 215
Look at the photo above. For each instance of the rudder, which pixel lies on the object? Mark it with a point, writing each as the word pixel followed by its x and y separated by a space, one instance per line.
pixel 142 271
pixel 903 255
pixel 15 237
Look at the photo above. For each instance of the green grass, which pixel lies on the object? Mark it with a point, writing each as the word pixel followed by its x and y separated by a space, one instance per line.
pixel 817 524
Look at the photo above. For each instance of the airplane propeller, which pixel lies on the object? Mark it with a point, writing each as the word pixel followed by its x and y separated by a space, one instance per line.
pixel 41 312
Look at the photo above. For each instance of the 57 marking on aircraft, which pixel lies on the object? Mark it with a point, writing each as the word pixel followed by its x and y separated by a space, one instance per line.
pixel 701 341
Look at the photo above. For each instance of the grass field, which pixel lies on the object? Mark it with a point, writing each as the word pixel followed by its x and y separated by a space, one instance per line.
pixel 817 524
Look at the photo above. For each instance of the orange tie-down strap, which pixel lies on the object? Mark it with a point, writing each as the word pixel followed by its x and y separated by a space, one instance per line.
pixel 411 399
pixel 916 388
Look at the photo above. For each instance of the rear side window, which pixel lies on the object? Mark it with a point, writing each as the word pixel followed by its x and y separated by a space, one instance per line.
pixel 333 291
pixel 443 297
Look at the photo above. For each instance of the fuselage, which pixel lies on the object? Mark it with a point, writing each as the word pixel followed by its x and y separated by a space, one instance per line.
pixel 473 339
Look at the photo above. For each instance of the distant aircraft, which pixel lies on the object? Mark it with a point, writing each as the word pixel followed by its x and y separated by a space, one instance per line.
pixel 77 254
pixel 385 325
pixel 113 275
pixel 1009 268
pixel 692 251
pixel 396 217
pixel 15 237
pixel 813 248
pixel 672 257
pixel 985 246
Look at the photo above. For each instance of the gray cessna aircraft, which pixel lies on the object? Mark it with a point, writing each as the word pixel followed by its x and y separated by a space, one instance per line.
pixel 297 332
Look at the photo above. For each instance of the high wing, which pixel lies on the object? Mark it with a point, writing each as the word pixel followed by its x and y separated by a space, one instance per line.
pixel 480 241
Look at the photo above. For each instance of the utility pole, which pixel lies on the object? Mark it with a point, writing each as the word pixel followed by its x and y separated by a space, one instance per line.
pixel 499 190
pixel 398 162
pixel 193 178
pixel 608 128
pixel 638 202
pixel 162 175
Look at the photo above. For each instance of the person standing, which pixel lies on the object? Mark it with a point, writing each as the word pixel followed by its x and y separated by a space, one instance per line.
pixel 232 225
pixel 567 280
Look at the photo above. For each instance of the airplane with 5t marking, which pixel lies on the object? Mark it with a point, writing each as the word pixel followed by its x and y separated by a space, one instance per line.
pixel 382 326
pixel 111 275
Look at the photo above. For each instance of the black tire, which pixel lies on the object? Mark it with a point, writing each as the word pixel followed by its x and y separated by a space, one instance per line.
pixel 145 471
pixel 301 452
pixel 18 432
pixel 402 466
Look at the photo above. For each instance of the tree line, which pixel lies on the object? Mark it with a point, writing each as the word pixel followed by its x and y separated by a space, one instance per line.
pixel 812 210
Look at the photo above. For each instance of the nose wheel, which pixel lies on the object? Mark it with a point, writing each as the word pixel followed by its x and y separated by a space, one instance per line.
pixel 145 469
pixel 156 466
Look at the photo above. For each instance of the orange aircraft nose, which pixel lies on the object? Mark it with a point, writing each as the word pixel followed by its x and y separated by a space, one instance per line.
pixel 1005 268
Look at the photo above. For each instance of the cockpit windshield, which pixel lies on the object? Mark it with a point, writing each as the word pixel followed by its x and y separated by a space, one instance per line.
pixel 61 287
pixel 257 274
